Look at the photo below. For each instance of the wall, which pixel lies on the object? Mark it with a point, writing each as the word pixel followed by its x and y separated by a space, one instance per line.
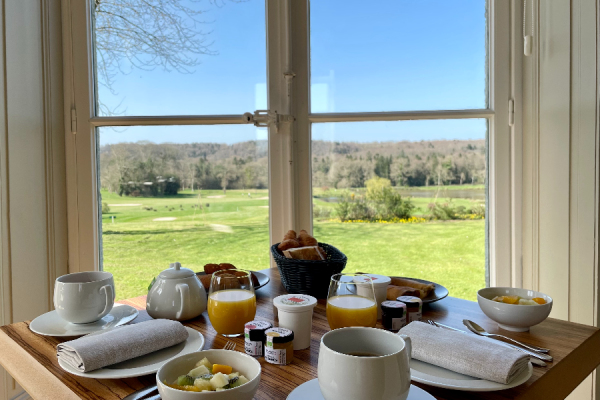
pixel 560 203
pixel 33 233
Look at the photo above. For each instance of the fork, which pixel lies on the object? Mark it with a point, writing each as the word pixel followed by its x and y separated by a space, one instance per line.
pixel 229 346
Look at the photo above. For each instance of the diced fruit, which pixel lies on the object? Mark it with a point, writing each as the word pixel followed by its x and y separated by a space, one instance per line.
pixel 185 380
pixel 511 299
pixel 525 302
pixel 539 300
pixel 234 375
pixel 219 380
pixel 203 384
pixel 225 369
pixel 201 370
pixel 498 299
pixel 204 362
pixel 187 388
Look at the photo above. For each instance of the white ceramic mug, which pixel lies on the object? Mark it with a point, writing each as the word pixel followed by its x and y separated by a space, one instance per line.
pixel 84 297
pixel 385 375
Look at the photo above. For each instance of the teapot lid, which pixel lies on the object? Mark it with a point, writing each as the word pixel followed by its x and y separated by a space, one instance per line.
pixel 176 272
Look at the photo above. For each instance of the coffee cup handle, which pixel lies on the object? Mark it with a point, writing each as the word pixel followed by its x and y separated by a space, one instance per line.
pixel 108 291
pixel 408 344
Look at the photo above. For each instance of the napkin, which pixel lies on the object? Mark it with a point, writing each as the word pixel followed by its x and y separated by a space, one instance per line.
pixel 120 344
pixel 464 353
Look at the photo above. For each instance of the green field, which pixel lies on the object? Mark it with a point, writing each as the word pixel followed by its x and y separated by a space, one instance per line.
pixel 234 228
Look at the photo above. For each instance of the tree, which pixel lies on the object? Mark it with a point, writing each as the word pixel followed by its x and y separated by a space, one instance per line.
pixel 146 34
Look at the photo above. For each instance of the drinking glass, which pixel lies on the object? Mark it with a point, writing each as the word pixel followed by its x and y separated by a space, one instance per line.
pixel 351 301
pixel 231 301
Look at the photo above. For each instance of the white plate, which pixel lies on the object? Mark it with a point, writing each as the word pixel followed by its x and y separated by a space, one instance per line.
pixel 310 390
pixel 50 324
pixel 144 365
pixel 428 374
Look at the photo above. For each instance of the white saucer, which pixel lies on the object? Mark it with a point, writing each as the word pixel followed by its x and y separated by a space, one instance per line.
pixel 144 365
pixel 310 391
pixel 428 374
pixel 50 324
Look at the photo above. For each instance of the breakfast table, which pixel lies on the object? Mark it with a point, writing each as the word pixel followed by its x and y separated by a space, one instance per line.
pixel 31 358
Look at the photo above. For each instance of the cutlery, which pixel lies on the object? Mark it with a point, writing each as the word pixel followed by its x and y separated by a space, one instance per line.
pixel 229 346
pixel 142 393
pixel 473 327
pixel 535 358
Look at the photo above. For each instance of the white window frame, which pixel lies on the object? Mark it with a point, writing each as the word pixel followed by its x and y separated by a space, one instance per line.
pixel 289 150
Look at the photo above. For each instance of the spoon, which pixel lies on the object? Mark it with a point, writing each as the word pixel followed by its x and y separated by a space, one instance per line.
pixel 473 327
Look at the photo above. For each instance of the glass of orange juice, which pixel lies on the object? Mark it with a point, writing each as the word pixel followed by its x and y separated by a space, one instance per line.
pixel 231 301
pixel 351 305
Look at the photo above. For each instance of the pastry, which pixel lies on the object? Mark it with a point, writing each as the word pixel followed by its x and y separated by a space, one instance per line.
pixel 211 268
pixel 311 253
pixel 393 292
pixel 291 234
pixel 223 266
pixel 205 279
pixel 425 289
pixel 288 244
pixel 306 240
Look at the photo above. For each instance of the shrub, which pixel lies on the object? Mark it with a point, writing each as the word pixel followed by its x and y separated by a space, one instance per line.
pixel 321 212
pixel 381 202
pixel 105 208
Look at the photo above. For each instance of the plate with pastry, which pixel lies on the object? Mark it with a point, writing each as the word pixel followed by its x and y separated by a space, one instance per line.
pixel 258 279
pixel 427 291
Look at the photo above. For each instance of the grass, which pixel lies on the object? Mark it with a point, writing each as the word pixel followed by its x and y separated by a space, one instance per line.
pixel 234 229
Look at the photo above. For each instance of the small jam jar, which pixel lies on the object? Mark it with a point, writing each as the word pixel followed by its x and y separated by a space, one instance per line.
pixel 254 333
pixel 414 308
pixel 393 315
pixel 279 348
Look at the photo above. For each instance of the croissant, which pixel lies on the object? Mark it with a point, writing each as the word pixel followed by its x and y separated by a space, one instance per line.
pixel 288 244
pixel 306 240
pixel 393 292
pixel 291 234
pixel 424 288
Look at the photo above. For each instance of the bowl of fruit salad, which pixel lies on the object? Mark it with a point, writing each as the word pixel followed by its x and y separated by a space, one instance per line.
pixel 514 309
pixel 209 374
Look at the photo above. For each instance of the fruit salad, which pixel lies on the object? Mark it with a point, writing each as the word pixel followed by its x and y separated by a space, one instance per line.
pixel 519 300
pixel 208 377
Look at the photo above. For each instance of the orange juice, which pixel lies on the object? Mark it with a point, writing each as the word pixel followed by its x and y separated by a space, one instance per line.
pixel 343 311
pixel 229 310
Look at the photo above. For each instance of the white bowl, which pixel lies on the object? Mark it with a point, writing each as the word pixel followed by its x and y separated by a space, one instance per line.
pixel 513 317
pixel 242 363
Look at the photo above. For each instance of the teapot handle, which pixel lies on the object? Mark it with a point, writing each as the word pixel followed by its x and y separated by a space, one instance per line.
pixel 184 290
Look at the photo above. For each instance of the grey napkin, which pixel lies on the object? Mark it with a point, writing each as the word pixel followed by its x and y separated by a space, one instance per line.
pixel 466 354
pixel 120 344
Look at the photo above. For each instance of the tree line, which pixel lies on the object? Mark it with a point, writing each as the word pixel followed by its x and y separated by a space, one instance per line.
pixel 150 169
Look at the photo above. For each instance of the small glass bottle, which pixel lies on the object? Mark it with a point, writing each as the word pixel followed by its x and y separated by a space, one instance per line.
pixel 279 348
pixel 254 333
pixel 414 308
pixel 393 315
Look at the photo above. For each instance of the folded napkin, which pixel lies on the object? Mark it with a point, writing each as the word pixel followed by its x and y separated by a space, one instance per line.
pixel 464 353
pixel 120 344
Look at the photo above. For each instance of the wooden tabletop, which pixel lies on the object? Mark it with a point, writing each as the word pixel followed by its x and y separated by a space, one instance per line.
pixel 31 358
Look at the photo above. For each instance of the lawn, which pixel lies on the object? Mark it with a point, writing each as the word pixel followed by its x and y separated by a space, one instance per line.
pixel 234 229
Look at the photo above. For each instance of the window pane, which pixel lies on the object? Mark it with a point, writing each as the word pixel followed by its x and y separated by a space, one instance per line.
pixel 193 194
pixel 405 198
pixel 398 55
pixel 180 57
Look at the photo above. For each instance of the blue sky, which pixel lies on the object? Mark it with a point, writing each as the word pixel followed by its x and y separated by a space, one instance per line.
pixel 394 55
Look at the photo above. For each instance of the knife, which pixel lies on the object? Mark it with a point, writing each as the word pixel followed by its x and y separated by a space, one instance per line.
pixel 535 358
pixel 142 393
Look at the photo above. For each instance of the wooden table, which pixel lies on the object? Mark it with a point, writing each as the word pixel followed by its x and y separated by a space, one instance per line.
pixel 31 359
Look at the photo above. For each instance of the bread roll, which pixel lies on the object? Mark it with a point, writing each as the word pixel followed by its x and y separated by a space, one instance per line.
pixel 211 268
pixel 223 266
pixel 205 279
pixel 393 292
pixel 291 234
pixel 425 289
pixel 288 244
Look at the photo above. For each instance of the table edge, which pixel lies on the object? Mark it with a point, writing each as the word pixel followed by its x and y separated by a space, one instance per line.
pixel 16 356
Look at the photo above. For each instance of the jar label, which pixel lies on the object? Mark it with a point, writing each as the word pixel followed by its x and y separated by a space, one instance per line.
pixel 275 356
pixel 415 316
pixel 254 348
pixel 398 323
pixel 295 300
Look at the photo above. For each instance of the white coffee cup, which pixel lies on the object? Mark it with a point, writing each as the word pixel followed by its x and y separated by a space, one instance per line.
pixel 84 297
pixel 385 375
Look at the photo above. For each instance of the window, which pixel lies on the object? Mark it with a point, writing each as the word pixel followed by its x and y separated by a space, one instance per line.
pixel 415 106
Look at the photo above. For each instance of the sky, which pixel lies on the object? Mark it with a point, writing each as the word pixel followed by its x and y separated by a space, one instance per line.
pixel 392 55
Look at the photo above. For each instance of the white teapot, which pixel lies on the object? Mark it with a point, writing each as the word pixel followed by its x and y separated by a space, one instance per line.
pixel 176 294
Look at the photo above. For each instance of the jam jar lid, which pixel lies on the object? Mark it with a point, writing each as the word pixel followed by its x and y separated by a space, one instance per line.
pixel 279 335
pixel 377 280
pixel 294 302
pixel 255 330
pixel 392 304
pixel 410 300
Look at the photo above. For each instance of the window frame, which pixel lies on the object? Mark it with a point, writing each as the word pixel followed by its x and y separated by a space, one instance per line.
pixel 288 82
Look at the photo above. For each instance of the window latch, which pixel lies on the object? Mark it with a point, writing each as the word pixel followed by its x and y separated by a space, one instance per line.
pixel 511 112
pixel 267 118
